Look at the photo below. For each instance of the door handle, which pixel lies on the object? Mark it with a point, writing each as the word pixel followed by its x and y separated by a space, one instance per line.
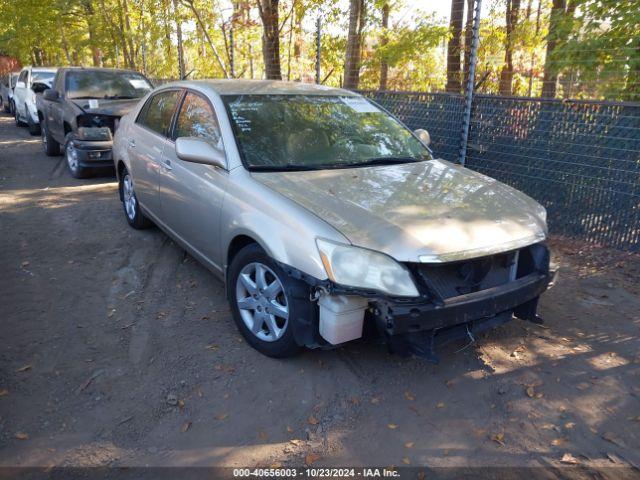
pixel 132 143
pixel 167 165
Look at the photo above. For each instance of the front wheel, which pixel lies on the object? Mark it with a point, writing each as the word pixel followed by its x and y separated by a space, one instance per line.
pixel 263 302
pixel 73 159
pixel 34 128
pixel 132 211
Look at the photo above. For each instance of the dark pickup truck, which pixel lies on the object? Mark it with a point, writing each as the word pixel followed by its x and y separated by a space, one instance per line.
pixel 81 111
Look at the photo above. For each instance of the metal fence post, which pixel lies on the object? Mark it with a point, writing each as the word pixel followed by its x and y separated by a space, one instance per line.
pixel 473 58
pixel 318 46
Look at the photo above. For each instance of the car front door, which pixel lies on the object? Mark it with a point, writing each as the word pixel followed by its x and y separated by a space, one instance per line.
pixel 192 194
pixel 145 142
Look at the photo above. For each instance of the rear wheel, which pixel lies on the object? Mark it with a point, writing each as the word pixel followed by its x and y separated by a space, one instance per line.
pixel 263 303
pixel 49 144
pixel 132 211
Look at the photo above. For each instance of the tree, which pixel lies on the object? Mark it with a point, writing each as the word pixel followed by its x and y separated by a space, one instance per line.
pixel 270 38
pixel 453 48
pixel 559 13
pixel 384 40
pixel 506 75
pixel 353 54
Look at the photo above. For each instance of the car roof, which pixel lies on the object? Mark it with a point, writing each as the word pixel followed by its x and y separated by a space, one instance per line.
pixel 261 87
pixel 43 69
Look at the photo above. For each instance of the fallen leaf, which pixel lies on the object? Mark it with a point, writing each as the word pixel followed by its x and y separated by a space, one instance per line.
pixel 392 426
pixel 181 404
pixel 556 442
pixel 355 401
pixel 276 465
pixel 408 445
pixel 289 429
pixel 569 425
pixel 24 369
pixel 311 458
pixel 4 392
pixel 531 392
pixel 440 405
pixel 409 396
pixel 21 436
pixel 582 386
pixel 212 347
pixel 185 426
pixel 498 438
pixel 568 458
pixel 422 475
pixel 111 312
pixel 375 400
pixel 295 441
pixel 406 460
pixel 221 416
pixel 614 458
pixel 262 435
pixel 312 420
pixel 25 263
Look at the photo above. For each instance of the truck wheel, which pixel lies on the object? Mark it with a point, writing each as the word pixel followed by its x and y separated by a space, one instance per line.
pixel 49 145
pixel 132 211
pixel 73 162
pixel 263 303
pixel 34 128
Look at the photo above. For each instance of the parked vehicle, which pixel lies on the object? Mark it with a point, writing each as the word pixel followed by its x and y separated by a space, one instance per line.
pixel 7 84
pixel 82 110
pixel 31 81
pixel 323 214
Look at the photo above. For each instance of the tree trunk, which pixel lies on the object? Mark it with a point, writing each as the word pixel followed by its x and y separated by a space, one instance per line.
pixel 453 47
pixel 550 80
pixel 468 39
pixel 384 66
pixel 352 57
pixel 533 53
pixel 178 20
pixel 270 38
pixel 506 75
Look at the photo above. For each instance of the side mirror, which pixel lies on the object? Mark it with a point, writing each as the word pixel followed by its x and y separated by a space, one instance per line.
pixel 423 136
pixel 20 85
pixel 39 87
pixel 197 150
pixel 50 94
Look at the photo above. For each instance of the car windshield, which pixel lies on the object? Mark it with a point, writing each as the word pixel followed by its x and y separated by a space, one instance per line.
pixel 106 84
pixel 304 132
pixel 42 77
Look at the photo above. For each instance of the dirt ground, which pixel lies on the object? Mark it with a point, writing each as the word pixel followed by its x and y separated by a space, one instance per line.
pixel 118 349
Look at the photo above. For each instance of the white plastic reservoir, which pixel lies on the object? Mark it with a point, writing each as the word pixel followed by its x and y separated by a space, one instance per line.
pixel 341 317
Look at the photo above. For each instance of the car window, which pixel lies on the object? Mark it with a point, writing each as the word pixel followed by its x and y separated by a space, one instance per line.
pixel 23 76
pixel 156 114
pixel 196 119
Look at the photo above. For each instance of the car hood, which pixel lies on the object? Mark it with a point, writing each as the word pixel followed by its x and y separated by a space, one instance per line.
pixel 114 108
pixel 430 211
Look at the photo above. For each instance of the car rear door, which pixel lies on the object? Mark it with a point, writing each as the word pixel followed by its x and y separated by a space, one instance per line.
pixel 192 194
pixel 145 142
pixel 20 92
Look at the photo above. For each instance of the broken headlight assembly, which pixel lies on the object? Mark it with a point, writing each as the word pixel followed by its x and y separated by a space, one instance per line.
pixel 365 269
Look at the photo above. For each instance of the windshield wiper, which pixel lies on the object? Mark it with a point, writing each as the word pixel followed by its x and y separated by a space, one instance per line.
pixel 376 161
pixel 119 97
pixel 281 168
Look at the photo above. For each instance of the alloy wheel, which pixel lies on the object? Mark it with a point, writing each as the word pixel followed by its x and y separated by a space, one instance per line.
pixel 129 195
pixel 262 302
pixel 72 156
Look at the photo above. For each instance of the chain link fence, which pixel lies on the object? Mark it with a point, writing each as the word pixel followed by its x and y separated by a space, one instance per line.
pixel 580 159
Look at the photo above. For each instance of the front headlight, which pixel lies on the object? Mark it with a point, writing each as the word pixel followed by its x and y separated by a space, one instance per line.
pixel 361 268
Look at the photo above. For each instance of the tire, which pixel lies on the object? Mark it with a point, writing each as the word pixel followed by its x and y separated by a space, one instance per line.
pixel 273 334
pixel 71 157
pixel 50 146
pixel 16 116
pixel 34 128
pixel 12 107
pixel 132 211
